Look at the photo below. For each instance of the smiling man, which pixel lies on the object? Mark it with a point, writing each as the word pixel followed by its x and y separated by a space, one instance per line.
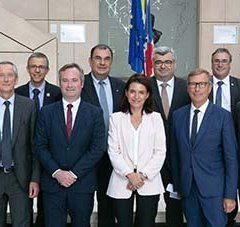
pixel 169 94
pixel 204 156
pixel 225 92
pixel 70 137
pixel 102 90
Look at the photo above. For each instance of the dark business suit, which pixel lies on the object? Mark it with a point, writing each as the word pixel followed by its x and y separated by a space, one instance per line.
pixel 105 206
pixel 26 167
pixel 52 93
pixel 235 97
pixel 207 169
pixel 174 216
pixel 78 154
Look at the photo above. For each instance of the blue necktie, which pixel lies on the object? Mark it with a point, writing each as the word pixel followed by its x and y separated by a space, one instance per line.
pixel 36 98
pixel 218 100
pixel 6 138
pixel 194 127
pixel 103 103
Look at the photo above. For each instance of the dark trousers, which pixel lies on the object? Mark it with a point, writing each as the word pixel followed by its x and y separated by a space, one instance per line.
pixel 105 210
pixel 146 210
pixel 20 204
pixel 174 211
pixel 105 204
pixel 203 211
pixel 58 204
pixel 40 215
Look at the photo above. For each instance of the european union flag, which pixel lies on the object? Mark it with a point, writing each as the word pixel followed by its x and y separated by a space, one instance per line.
pixel 137 38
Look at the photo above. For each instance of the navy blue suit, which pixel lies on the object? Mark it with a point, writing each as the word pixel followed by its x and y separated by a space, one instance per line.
pixel 78 154
pixel 210 165
pixel 105 205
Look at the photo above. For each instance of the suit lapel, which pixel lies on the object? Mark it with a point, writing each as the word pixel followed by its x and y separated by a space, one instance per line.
pixel 233 92
pixel 61 118
pixel 157 98
pixel 115 94
pixel 204 124
pixel 47 94
pixel 90 90
pixel 17 115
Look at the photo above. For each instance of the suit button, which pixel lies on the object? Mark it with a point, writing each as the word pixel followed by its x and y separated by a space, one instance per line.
pixel 68 148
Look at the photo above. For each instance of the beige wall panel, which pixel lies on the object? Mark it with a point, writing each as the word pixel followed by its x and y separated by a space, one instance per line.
pixel 82 51
pixel 212 10
pixel 19 59
pixel 51 51
pixel 233 10
pixel 66 54
pixel 28 9
pixel 61 9
pixel 41 25
pixel 206 48
pixel 7 44
pixel 86 10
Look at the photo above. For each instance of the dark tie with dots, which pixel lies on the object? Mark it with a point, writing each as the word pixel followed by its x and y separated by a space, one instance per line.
pixel 194 127
pixel 6 138
pixel 219 94
pixel 69 120
pixel 36 98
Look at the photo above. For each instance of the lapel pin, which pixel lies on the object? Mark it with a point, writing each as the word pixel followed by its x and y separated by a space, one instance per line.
pixel 48 94
pixel 117 90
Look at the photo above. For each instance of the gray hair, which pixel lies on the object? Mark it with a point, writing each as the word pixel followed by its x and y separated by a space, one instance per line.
pixel 14 67
pixel 38 55
pixel 162 50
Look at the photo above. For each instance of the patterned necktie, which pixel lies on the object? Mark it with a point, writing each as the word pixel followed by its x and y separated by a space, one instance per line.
pixel 6 138
pixel 103 103
pixel 69 120
pixel 36 98
pixel 164 97
pixel 218 100
pixel 194 126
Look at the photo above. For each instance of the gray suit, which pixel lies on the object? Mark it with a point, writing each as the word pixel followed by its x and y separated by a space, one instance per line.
pixel 14 186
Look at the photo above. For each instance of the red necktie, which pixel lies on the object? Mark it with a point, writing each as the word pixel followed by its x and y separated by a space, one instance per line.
pixel 69 120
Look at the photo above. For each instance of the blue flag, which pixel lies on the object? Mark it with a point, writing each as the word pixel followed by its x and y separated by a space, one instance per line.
pixel 137 38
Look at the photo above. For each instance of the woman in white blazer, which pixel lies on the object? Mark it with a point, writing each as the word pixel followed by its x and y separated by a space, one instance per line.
pixel 137 150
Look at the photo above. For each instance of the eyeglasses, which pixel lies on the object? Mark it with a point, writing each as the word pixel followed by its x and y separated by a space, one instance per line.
pixel 8 76
pixel 197 84
pixel 218 61
pixel 39 67
pixel 167 63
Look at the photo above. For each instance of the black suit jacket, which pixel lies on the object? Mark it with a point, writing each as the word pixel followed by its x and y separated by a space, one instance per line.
pixel 52 92
pixel 234 93
pixel 89 94
pixel 179 99
pixel 26 166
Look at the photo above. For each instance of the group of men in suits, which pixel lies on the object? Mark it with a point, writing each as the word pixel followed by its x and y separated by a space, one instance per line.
pixel 177 91
pixel 70 174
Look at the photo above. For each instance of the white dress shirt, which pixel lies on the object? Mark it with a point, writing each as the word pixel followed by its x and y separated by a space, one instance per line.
pixel 226 96
pixel 2 110
pixel 200 115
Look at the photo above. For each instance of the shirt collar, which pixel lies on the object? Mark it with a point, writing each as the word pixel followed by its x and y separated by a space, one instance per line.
pixel 95 80
pixel 75 103
pixel 202 108
pixel 11 100
pixel 170 82
pixel 40 88
pixel 225 81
